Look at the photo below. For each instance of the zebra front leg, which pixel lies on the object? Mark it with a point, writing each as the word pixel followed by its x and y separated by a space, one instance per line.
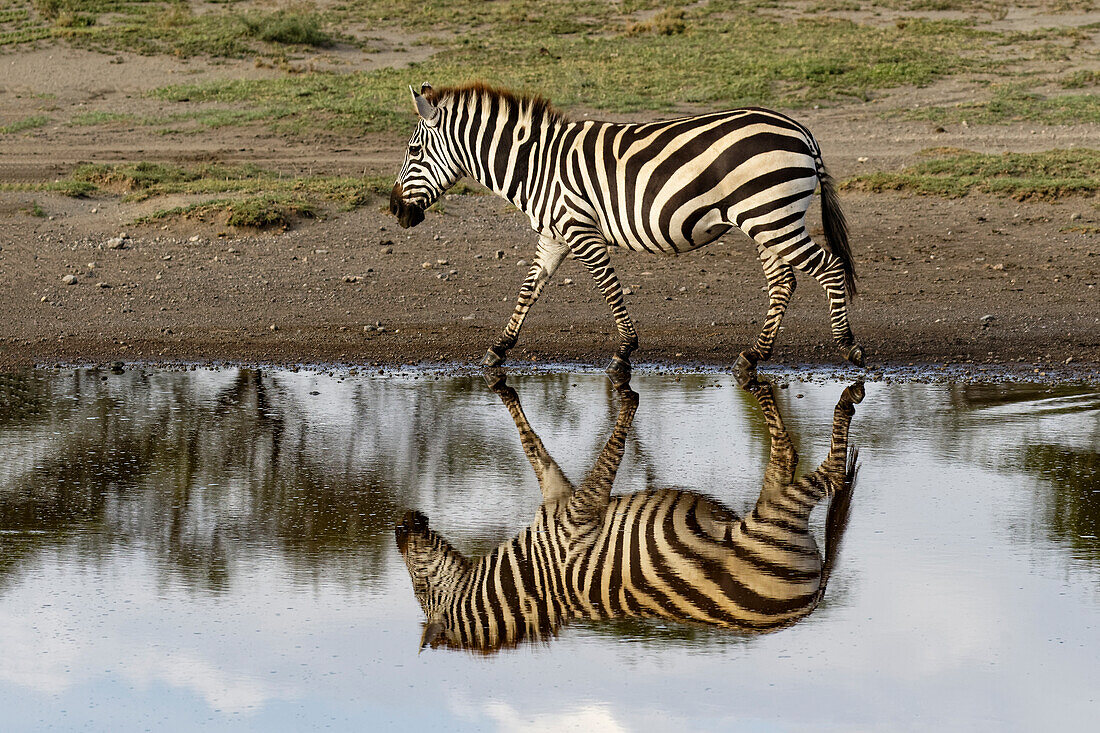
pixel 549 254
pixel 781 285
pixel 592 253
pixel 589 502
pixel 552 481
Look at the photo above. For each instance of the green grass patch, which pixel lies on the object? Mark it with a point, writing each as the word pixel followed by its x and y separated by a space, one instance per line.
pixel 27 123
pixel 743 60
pixel 256 212
pixel 100 118
pixel 952 173
pixel 166 27
pixel 1011 103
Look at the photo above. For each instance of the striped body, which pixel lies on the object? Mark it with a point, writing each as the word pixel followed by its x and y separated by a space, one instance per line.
pixel 664 187
pixel 660 553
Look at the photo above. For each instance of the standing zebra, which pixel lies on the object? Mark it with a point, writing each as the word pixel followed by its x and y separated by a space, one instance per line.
pixel 663 553
pixel 664 187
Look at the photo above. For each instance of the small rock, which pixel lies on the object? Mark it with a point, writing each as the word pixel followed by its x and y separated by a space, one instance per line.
pixel 1068 359
pixel 166 257
pixel 194 238
pixel 116 243
pixel 1075 216
pixel 69 280
pixel 42 299
pixel 862 159
pixel 987 318
pixel 272 327
pixel 628 291
pixel 442 262
pixel 567 281
pixel 95 211
pixel 500 254
pixel 522 263
pixel 387 250
pixel 426 265
pixel 320 251
pixel 352 278
pixel 102 285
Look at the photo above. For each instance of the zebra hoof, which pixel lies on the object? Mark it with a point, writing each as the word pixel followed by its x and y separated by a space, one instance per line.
pixel 618 371
pixel 855 355
pixel 854 393
pixel 744 370
pixel 492 357
pixel 495 378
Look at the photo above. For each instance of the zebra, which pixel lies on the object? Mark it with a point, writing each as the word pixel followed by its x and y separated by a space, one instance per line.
pixel 664 187
pixel 659 553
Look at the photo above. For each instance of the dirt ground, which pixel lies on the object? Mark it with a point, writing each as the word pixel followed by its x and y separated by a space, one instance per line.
pixel 975 280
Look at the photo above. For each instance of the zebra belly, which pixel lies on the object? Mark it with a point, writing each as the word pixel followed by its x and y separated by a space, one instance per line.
pixel 669 554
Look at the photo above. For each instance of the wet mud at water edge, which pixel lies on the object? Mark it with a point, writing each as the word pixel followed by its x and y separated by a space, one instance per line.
pixel 260 549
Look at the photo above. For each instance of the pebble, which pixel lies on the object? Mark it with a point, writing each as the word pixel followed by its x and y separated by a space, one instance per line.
pixel 69 280
pixel 194 238
pixel 387 250
pixel 116 243
pixel 1075 216
pixel 500 254
pixel 567 281
pixel 522 263
pixel 426 265
pixel 102 285
pixel 273 327
pixel 988 318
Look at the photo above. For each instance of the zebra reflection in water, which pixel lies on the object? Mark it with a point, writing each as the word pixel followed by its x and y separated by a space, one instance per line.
pixel 658 554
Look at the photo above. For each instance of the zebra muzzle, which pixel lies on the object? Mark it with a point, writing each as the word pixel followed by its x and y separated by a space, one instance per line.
pixel 408 214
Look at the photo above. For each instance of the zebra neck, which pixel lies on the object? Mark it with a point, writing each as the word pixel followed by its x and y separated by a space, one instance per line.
pixel 510 156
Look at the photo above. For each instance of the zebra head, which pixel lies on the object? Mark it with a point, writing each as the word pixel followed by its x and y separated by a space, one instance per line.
pixel 429 168
pixel 436 570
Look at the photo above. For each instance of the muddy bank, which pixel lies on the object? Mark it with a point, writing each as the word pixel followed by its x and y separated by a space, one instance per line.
pixel 968 282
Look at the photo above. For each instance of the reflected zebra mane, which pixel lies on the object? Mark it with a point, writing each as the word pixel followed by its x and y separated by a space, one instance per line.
pixel 538 107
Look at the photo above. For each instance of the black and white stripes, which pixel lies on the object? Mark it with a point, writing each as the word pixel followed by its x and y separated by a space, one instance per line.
pixel 664 553
pixel 662 187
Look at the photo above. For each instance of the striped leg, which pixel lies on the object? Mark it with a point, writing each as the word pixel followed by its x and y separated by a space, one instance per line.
pixel 805 254
pixel 552 480
pixel 591 251
pixel 783 458
pixel 549 254
pixel 781 285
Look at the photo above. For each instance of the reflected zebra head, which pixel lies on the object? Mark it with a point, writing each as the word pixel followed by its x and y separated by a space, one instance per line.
pixel 429 168
pixel 435 569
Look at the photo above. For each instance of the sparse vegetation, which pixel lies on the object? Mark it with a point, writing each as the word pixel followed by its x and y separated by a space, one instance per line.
pixel 1011 103
pixel 953 173
pixel 27 123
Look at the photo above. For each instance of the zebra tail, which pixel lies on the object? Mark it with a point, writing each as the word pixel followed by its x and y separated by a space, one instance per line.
pixel 836 228
pixel 836 520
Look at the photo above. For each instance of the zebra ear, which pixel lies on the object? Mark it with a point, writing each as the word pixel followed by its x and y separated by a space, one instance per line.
pixel 427 111
pixel 432 631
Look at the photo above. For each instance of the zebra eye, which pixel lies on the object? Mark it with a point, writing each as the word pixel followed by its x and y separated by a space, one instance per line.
pixel 414 151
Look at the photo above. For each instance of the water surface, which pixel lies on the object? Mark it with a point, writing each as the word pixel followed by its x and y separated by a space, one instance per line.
pixel 182 549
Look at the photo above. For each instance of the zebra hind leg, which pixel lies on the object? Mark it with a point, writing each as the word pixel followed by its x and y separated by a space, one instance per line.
pixel 781 285
pixel 828 270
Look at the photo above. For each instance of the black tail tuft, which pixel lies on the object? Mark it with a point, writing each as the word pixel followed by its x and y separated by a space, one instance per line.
pixel 836 520
pixel 836 229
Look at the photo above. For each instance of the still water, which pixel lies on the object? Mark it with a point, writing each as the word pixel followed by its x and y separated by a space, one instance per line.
pixel 217 549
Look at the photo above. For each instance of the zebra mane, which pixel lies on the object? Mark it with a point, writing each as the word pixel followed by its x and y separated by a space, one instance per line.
pixel 539 108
